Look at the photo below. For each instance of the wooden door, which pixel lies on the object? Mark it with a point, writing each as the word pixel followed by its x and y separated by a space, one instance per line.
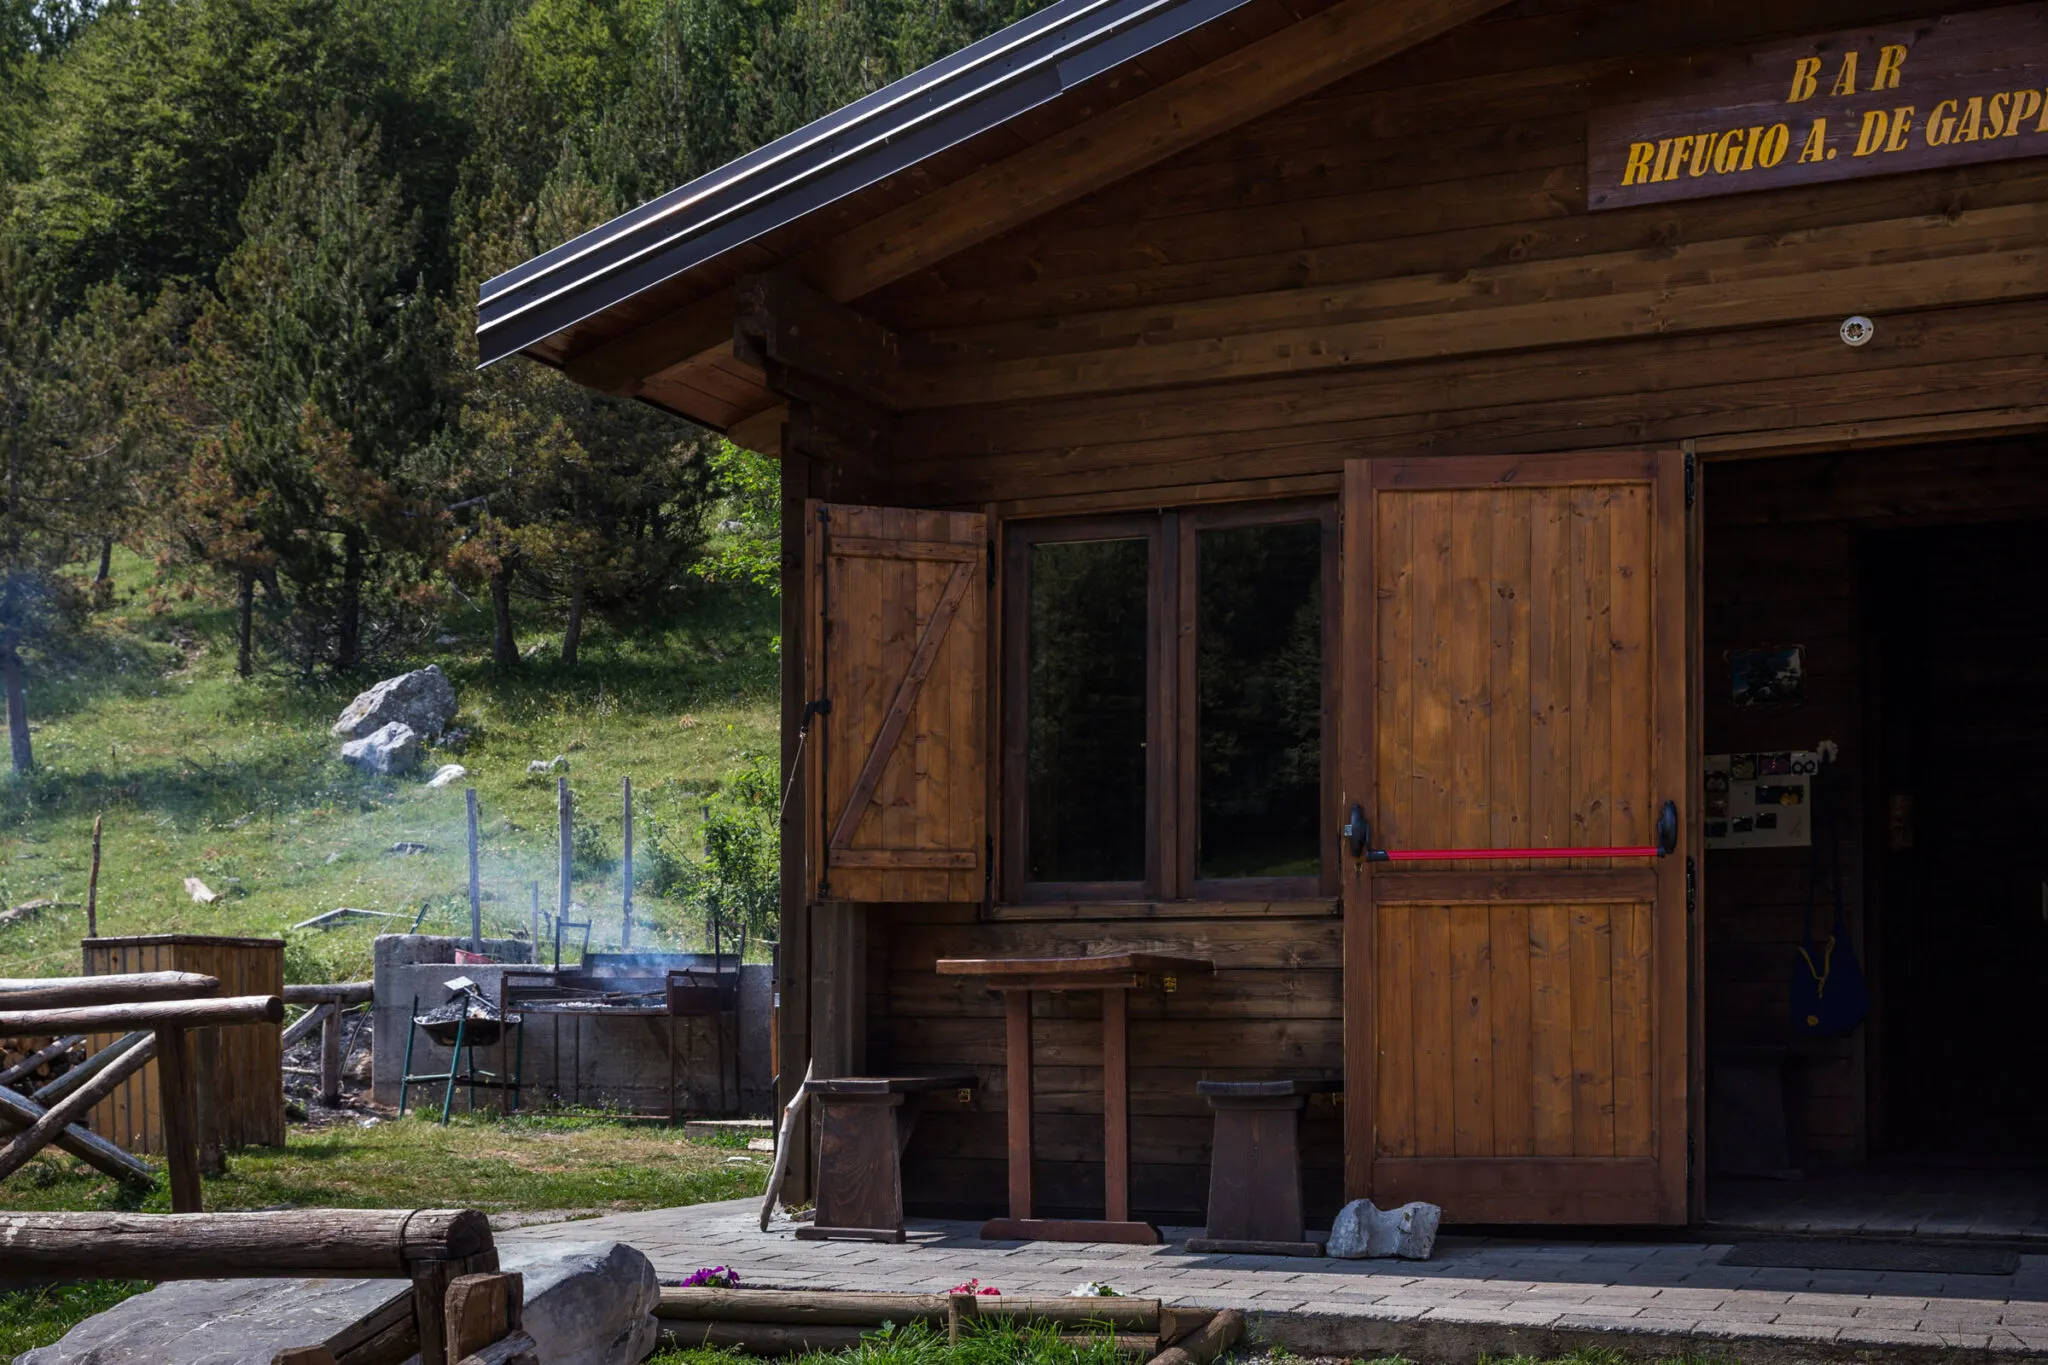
pixel 1515 677
pixel 897 672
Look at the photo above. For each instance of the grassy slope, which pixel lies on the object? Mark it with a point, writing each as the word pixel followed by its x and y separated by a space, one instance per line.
pixel 238 783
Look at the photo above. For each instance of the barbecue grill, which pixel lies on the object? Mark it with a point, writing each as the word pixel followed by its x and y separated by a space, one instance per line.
pixel 641 985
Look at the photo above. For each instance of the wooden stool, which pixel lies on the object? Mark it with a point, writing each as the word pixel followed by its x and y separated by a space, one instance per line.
pixel 1255 1168
pixel 866 1126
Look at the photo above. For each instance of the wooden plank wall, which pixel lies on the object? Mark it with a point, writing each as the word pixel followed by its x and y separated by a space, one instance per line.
pixel 1272 1008
pixel 1404 265
pixel 240 1069
pixel 1783 567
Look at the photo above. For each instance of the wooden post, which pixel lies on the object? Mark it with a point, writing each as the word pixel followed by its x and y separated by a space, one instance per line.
pixel 626 926
pixel 1017 1061
pixel 476 910
pixel 482 1310
pixel 330 1057
pixel 179 1094
pixel 565 816
pixel 92 884
pixel 1116 1109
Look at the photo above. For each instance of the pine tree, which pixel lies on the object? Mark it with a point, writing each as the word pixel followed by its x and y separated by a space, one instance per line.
pixel 68 394
pixel 585 502
pixel 316 370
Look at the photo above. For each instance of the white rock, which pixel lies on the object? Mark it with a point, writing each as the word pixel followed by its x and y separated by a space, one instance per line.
pixel 1363 1231
pixel 446 773
pixel 587 1303
pixel 423 699
pixel 391 750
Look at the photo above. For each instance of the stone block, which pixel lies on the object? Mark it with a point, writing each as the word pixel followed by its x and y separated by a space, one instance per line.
pixel 387 751
pixel 220 1322
pixel 587 1303
pixel 1364 1230
pixel 423 700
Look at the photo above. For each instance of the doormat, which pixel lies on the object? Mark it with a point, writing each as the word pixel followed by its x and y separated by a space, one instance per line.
pixel 1902 1256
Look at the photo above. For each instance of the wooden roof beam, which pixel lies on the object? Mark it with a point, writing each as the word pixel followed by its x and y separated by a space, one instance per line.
pixel 1254 80
pixel 782 323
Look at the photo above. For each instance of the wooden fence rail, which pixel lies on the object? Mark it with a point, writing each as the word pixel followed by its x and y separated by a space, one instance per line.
pixel 61 992
pixel 430 1247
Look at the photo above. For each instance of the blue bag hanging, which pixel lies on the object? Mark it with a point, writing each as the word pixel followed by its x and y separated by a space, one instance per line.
pixel 1829 995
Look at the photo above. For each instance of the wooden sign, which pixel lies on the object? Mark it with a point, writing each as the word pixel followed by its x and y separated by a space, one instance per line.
pixel 1906 97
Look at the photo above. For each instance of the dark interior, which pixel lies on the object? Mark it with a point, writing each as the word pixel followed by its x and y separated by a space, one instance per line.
pixel 1962 768
pixel 1913 582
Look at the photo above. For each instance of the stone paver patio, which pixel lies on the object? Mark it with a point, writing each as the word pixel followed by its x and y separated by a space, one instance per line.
pixel 1479 1296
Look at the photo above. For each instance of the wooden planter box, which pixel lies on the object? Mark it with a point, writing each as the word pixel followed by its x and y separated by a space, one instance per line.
pixel 240 1070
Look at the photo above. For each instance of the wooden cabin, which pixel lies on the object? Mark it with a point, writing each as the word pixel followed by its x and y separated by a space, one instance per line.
pixel 1199 418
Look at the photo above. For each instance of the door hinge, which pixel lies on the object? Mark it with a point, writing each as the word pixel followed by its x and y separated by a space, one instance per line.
pixel 821 707
pixel 1692 479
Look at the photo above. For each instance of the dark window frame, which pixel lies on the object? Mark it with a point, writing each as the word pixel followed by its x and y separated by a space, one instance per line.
pixel 1173 795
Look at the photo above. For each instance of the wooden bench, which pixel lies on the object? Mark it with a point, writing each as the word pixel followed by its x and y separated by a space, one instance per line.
pixel 1255 1168
pixel 865 1125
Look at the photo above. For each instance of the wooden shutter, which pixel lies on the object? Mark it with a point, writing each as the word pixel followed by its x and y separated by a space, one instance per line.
pixel 897 768
pixel 1515 1032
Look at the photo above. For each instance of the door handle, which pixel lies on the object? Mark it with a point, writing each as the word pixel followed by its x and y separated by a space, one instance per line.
pixel 1357 832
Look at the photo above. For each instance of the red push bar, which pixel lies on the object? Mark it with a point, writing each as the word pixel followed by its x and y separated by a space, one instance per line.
pixel 1359 835
pixel 1444 855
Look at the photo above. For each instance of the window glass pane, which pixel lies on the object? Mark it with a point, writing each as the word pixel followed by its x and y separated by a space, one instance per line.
pixel 1086 765
pixel 1259 671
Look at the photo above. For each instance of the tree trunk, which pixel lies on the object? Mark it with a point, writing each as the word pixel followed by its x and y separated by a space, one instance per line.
pixel 348 642
pixel 572 634
pixel 504 647
pixel 17 708
pixel 106 561
pixel 245 625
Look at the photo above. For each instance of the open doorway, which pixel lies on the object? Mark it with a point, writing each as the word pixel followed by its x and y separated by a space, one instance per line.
pixel 1889 608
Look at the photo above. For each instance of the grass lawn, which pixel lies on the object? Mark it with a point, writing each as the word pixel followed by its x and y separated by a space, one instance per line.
pixel 543 1161
pixel 139 719
pixel 581 1162
pixel 1009 1344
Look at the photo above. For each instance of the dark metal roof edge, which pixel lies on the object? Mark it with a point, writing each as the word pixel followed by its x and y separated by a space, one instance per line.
pixel 974 90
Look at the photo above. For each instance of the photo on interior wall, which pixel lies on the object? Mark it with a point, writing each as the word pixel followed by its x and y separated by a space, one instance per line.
pixel 1767 677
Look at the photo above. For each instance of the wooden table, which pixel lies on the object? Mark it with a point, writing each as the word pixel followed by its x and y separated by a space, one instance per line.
pixel 1112 974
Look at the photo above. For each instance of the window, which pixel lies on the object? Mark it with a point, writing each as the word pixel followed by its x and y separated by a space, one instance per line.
pixel 1165 716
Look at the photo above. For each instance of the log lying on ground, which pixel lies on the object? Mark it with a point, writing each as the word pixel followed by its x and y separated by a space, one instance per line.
pixel 367 1243
pixel 235 1009
pixel 1219 1335
pixel 824 1308
pixel 91 1148
pixel 781 1339
pixel 74 1107
pixel 305 1023
pixel 36 1061
pixel 66 992
pixel 339 993
pixel 517 1349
